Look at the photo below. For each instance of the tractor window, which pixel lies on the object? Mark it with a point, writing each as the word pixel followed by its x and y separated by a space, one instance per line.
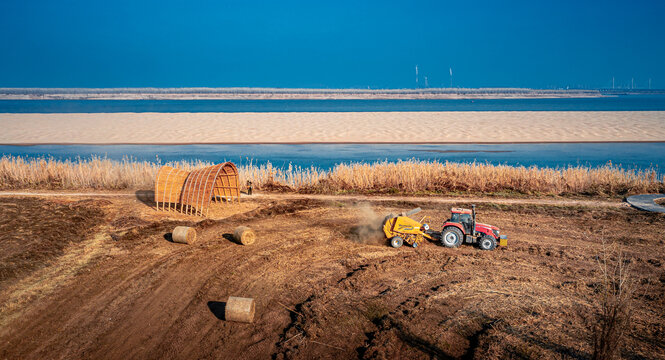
pixel 460 218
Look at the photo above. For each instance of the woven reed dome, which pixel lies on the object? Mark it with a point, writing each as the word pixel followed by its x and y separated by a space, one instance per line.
pixel 191 192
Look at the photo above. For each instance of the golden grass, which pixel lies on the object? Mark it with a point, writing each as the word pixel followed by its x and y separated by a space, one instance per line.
pixel 412 176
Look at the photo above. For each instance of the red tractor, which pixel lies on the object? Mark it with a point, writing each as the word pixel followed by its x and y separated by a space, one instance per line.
pixel 462 227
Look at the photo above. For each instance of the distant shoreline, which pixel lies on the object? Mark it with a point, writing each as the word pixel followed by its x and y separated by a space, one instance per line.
pixel 289 94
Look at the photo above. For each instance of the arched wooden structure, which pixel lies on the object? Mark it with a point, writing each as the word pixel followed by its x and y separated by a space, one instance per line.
pixel 192 192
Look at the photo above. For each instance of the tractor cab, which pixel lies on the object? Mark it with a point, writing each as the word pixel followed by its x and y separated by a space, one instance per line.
pixel 463 217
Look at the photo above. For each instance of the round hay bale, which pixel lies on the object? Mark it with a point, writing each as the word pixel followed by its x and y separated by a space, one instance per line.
pixel 239 309
pixel 183 235
pixel 244 235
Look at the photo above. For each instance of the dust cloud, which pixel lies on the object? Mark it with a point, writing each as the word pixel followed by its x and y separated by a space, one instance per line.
pixel 368 231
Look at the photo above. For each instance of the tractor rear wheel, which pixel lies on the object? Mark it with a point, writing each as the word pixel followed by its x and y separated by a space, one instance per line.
pixel 451 237
pixel 396 242
pixel 487 242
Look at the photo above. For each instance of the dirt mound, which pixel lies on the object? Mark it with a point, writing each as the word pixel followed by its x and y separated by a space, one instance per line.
pixel 273 186
pixel 280 208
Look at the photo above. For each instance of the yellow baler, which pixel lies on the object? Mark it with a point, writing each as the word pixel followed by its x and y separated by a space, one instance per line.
pixel 402 229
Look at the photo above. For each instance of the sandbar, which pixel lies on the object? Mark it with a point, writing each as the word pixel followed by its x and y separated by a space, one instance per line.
pixel 333 127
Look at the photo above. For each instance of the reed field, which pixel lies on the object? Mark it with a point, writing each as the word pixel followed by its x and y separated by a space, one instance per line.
pixel 411 176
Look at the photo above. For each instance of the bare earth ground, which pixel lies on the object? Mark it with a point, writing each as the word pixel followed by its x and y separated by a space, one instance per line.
pixel 336 127
pixel 91 277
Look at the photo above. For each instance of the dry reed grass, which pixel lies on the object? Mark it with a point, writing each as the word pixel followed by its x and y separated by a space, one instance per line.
pixel 412 176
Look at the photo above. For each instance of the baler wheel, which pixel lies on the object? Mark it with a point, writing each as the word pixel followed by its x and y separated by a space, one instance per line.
pixel 396 242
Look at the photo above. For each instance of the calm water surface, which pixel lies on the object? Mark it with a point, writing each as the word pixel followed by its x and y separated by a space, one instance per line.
pixel 617 103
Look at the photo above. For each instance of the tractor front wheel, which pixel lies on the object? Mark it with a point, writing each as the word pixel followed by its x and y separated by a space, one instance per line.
pixel 396 242
pixel 451 237
pixel 487 242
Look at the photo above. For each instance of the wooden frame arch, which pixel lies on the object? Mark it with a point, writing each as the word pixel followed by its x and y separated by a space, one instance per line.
pixel 192 192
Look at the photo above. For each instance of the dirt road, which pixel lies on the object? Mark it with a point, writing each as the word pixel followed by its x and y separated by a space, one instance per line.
pixel 115 287
pixel 371 198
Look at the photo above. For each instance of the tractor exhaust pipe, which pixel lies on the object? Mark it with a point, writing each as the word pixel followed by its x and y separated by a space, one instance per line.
pixel 473 214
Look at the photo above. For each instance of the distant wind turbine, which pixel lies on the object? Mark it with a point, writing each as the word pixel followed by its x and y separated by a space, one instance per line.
pixel 451 77
pixel 416 76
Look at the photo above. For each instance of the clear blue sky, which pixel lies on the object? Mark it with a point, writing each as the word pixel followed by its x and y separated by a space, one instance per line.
pixel 333 44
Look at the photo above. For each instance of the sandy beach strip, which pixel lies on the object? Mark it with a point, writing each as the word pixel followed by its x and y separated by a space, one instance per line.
pixel 333 127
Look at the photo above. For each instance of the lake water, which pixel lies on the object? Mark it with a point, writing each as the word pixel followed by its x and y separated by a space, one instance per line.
pixel 617 103
pixel 628 155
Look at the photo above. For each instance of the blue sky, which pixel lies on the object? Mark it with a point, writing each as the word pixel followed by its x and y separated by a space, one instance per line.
pixel 335 44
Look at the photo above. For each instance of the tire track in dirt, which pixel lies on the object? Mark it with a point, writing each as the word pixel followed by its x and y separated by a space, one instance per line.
pixel 341 293
pixel 389 324
pixel 46 280
pixel 83 330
